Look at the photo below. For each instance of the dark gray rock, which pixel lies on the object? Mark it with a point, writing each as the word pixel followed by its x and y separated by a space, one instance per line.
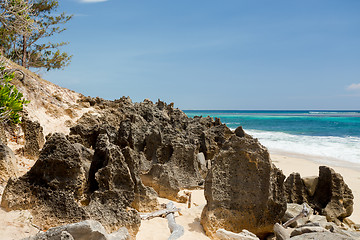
pixel 34 138
pixel 239 131
pixel 243 189
pixel 111 188
pixel 167 138
pixel 58 189
pixel 51 187
pixel 145 197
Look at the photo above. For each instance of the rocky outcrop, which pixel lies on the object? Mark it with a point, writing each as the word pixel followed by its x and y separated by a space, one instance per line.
pixel 86 230
pixel 58 190
pixel 166 140
pixel 34 138
pixel 51 187
pixel 331 197
pixel 243 189
pixel 8 166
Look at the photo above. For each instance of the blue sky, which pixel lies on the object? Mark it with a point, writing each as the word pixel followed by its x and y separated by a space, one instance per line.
pixel 207 54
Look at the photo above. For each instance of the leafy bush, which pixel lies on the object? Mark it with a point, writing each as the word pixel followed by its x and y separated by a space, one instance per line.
pixel 11 100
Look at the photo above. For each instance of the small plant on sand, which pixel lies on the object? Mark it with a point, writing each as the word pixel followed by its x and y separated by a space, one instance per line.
pixel 11 100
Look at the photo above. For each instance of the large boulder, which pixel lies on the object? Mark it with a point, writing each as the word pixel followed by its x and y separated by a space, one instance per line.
pixel 61 187
pixel 51 187
pixel 243 189
pixel 8 166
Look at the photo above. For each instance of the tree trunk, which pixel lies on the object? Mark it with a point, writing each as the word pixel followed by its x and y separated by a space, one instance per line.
pixel 24 57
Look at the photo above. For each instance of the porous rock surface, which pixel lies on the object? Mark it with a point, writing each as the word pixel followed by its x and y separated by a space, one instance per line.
pixel 243 189
pixel 34 138
pixel 331 198
pixel 115 162
pixel 165 141
pixel 58 191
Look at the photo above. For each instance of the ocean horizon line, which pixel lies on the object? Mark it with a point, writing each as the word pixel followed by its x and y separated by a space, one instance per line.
pixel 300 110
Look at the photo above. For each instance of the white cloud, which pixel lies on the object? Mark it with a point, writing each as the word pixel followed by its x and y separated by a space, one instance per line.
pixel 354 86
pixel 92 1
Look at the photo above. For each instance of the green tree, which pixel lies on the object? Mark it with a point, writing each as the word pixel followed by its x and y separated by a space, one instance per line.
pixel 30 49
pixel 15 16
pixel 11 100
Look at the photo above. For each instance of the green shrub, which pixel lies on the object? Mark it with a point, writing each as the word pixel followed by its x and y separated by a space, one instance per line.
pixel 11 100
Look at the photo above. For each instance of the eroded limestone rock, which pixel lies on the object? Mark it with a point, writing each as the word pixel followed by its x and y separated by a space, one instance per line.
pixel 58 190
pixel 328 194
pixel 34 138
pixel 243 189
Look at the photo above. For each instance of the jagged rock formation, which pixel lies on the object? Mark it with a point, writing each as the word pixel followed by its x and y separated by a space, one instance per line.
pixel 34 138
pixel 51 186
pixel 114 161
pixel 165 140
pixel 243 189
pixel 8 166
pixel 331 198
pixel 55 189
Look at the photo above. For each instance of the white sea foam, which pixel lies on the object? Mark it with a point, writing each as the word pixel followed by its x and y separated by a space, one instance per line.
pixel 340 151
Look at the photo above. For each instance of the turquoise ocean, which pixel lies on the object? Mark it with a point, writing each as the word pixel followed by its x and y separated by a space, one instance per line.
pixel 327 137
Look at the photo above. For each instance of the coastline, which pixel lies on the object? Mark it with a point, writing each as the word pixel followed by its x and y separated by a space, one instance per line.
pixel 296 163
